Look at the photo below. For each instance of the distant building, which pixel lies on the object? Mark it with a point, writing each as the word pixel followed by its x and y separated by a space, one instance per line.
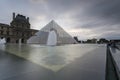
pixel 18 30
pixel 94 40
pixel 76 38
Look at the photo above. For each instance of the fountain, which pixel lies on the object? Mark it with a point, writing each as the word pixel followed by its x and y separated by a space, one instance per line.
pixel 2 41
pixel 52 38
pixel 19 41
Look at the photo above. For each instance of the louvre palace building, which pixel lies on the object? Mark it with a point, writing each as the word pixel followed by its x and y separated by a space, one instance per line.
pixel 18 30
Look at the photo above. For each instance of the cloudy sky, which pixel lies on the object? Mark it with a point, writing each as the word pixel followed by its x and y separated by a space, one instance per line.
pixel 82 18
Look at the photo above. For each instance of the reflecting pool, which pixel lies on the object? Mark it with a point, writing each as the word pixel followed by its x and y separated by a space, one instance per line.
pixel 51 57
pixel 85 60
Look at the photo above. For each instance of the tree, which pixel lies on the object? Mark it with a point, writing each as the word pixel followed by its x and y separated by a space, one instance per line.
pixel 103 40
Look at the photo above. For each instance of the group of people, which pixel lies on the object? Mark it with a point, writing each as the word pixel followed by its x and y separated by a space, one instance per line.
pixel 113 44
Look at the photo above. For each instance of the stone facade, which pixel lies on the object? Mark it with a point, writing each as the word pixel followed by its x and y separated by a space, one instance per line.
pixel 18 30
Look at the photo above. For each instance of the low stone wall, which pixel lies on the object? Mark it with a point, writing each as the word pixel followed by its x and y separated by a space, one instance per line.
pixel 115 56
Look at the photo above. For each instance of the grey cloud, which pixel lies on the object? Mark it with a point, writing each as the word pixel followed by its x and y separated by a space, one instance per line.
pixel 96 15
pixel 106 9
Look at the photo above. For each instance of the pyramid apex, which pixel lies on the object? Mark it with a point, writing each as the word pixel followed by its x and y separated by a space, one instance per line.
pixel 52 21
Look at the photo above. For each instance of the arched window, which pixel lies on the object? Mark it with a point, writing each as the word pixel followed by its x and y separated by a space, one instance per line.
pixel 22 41
pixel 8 40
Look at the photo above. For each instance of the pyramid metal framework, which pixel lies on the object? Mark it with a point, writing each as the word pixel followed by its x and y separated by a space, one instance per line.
pixel 62 36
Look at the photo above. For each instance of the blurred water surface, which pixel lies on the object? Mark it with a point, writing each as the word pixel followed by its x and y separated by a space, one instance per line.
pixel 51 57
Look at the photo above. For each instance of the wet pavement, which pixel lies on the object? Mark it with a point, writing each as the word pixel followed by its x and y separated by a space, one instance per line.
pixel 73 62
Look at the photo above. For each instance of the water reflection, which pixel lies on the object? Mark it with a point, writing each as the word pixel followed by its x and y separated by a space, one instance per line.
pixel 53 58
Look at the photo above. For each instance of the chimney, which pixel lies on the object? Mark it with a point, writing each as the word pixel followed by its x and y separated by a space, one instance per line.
pixel 13 15
pixel 28 19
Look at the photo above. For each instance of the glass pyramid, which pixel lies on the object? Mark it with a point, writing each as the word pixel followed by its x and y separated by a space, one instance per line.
pixel 62 36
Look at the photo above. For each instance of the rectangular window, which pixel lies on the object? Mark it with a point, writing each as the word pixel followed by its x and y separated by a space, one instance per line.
pixel 7 32
pixel 1 32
